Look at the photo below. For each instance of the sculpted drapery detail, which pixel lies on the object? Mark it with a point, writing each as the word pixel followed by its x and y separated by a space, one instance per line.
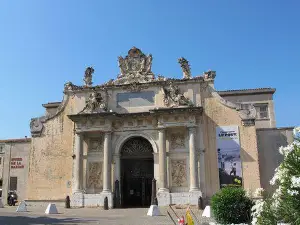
pixel 95 175
pixel 173 97
pixel 135 67
pixel 179 178
pixel 186 69
pixel 95 103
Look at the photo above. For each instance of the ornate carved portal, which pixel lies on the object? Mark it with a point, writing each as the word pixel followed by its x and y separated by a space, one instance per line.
pixel 137 172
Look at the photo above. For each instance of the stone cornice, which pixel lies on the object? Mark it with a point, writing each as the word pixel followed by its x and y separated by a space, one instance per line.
pixel 156 111
pixel 247 92
pixel 71 88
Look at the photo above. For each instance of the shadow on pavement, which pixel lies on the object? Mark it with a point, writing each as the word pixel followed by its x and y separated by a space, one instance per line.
pixel 22 220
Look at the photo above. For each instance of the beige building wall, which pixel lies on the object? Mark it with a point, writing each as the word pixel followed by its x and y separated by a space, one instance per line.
pixel 51 158
pixel 15 162
pixel 269 141
pixel 217 114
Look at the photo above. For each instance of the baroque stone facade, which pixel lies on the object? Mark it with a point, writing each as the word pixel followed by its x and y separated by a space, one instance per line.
pixel 134 128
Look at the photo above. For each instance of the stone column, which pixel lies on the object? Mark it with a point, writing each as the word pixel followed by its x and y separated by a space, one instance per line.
pixel 162 161
pixel 107 163
pixel 194 184
pixel 77 162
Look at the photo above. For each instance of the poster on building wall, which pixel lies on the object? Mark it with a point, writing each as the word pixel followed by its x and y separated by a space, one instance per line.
pixel 229 158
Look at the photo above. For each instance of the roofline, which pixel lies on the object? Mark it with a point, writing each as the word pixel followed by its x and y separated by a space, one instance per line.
pixel 247 91
pixel 19 140
pixel 275 128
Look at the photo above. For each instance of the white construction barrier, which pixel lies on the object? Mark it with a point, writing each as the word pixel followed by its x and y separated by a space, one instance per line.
pixel 153 211
pixel 51 209
pixel 22 207
pixel 1 203
pixel 206 212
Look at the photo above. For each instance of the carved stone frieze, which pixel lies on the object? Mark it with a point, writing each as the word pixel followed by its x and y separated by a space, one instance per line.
pixel 186 69
pixel 95 175
pixel 118 124
pixel 179 176
pixel 88 76
pixel 135 67
pixel 177 140
pixel 95 103
pixel 173 97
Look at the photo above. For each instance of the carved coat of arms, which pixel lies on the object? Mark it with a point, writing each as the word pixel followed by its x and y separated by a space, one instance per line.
pixel 135 67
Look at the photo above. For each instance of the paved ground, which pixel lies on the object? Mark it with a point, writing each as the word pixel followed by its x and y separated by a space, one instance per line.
pixel 91 216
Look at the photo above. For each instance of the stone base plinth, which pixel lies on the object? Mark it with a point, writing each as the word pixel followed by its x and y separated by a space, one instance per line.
pixel 91 200
pixel 179 198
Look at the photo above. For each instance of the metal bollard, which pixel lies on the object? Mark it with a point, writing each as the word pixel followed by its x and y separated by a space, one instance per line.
pixel 67 202
pixel 105 203
pixel 200 203
pixel 153 194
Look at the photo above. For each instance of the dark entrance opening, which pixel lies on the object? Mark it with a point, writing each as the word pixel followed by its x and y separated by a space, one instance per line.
pixel 137 166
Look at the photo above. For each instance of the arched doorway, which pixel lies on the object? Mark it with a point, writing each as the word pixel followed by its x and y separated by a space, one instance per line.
pixel 137 172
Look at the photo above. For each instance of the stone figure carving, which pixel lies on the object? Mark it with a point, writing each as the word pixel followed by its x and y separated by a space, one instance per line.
pixel 186 69
pixel 173 97
pixel 179 178
pixel 209 75
pixel 88 76
pixel 135 67
pixel 95 175
pixel 177 140
pixel 95 103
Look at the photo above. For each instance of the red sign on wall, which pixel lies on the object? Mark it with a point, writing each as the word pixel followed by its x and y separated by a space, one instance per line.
pixel 16 163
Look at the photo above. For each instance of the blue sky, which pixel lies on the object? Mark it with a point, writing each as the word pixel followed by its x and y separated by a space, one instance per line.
pixel 43 44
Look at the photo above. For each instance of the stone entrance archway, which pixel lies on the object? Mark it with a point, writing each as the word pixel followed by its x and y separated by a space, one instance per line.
pixel 137 172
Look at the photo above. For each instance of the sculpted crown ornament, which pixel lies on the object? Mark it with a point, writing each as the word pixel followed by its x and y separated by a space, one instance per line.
pixel 135 67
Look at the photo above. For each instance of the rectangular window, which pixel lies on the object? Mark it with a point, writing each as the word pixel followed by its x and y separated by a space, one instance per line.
pixel 262 111
pixel 13 183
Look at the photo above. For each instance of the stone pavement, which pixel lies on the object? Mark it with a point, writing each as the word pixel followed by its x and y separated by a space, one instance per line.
pixel 91 216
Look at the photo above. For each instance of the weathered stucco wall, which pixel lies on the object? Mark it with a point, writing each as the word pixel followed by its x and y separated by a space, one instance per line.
pixel 269 141
pixel 215 114
pixel 50 171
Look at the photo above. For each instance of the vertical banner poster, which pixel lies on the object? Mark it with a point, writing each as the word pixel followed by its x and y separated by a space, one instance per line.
pixel 229 158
